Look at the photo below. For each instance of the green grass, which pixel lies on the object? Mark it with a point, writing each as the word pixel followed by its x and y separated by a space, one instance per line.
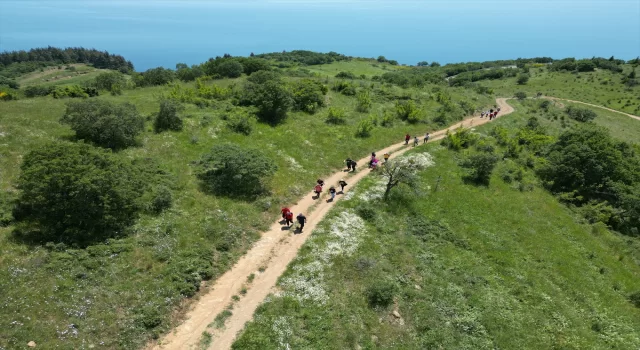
pixel 357 67
pixel 601 87
pixel 121 293
pixel 501 268
pixel 54 76
pixel 205 340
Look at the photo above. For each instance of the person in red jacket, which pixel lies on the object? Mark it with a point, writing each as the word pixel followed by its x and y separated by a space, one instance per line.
pixel 407 138
pixel 284 211
pixel 317 190
pixel 289 218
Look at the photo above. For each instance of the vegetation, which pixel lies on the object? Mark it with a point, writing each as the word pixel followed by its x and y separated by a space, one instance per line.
pixel 106 124
pixel 167 118
pixel 266 91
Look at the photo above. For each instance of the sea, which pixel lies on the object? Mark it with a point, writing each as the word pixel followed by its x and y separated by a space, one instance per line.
pixel 163 33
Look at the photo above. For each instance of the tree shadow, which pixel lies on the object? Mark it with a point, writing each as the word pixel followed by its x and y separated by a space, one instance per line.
pixel 475 181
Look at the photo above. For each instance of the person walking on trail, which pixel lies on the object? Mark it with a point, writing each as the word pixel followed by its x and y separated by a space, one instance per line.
pixel 407 137
pixel 332 192
pixel 301 220
pixel 320 182
pixel 348 161
pixel 353 165
pixel 342 184
pixel 289 218
pixel 374 164
pixel 426 138
pixel 284 211
pixel 317 190
pixel 386 157
pixel 416 141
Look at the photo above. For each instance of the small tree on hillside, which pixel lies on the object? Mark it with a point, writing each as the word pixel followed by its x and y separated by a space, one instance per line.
pixel 520 95
pixel 167 118
pixel 233 170
pixel 77 193
pixel 266 91
pixel 104 123
pixel 523 79
pixel 402 171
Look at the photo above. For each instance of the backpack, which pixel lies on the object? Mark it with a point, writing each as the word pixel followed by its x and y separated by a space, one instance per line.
pixel 289 216
pixel 318 188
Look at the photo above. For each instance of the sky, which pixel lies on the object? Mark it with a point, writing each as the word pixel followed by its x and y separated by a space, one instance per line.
pixel 163 33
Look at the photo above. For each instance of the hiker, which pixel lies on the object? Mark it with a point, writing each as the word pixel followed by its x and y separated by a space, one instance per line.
pixel 482 114
pixel 320 182
pixel 284 211
pixel 415 141
pixel 386 157
pixel 317 190
pixel 491 111
pixel 342 183
pixel 426 138
pixel 353 165
pixel 373 154
pixel 301 220
pixel 406 139
pixel 348 161
pixel 374 164
pixel 289 218
pixel 332 192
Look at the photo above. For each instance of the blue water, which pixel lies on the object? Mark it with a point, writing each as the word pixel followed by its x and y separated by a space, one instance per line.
pixel 163 33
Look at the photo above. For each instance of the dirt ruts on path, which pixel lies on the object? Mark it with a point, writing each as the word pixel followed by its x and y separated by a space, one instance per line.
pixel 592 105
pixel 272 253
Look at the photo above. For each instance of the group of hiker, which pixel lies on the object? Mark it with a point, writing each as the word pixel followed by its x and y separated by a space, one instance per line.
pixel 491 114
pixel 416 141
pixel 287 214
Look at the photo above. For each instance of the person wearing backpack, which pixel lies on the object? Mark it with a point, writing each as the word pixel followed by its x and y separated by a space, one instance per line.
pixel 284 211
pixel 348 161
pixel 317 190
pixel 332 192
pixel 407 138
pixel 301 220
pixel 426 138
pixel 415 141
pixel 342 184
pixel 353 165
pixel 386 157
pixel 289 218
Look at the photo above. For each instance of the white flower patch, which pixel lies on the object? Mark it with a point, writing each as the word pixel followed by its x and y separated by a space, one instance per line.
pixel 342 238
pixel 418 160
pixel 293 164
pixel 213 132
pixel 282 328
pixel 374 192
pixel 349 195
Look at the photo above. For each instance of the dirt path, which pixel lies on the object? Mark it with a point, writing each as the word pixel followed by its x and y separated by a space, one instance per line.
pixel 592 105
pixel 272 253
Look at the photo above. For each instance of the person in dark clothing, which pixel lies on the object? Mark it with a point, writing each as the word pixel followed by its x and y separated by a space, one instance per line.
pixel 301 220
pixel 320 182
pixel 348 161
pixel 353 165
pixel 332 192
pixel 407 138
pixel 342 183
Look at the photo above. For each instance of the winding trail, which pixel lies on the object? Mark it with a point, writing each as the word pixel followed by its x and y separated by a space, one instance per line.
pixel 271 254
pixel 592 105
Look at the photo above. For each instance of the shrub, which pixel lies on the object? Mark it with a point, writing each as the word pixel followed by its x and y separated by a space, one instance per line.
pixel 336 116
pixel 407 111
pixel 77 193
pixel 232 170
pixel 635 299
pixel 462 138
pixel 69 91
pixel 38 90
pixel 441 119
pixel 230 69
pixel 484 146
pixel 388 118
pixel 580 114
pixel 501 134
pixel 545 104
pixel 522 79
pixel 104 123
pixel 365 127
pixel 364 101
pixel 266 91
pixel 240 123
pixel 480 166
pixel 308 95
pixel 344 88
pixel 110 81
pixel 252 65
pixel 167 118
pixel 381 295
pixel 161 199
pixel 585 66
pixel 511 172
pixel 520 95
pixel 346 75
pixel 9 82
pixel 366 211
pixel 155 76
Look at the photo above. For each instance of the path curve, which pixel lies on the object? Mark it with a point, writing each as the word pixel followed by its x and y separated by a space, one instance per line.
pixel 592 105
pixel 273 252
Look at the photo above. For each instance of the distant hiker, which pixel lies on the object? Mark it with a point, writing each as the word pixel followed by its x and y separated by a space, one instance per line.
pixel 374 164
pixel 491 111
pixel 406 139
pixel 415 141
pixel 320 182
pixel 301 220
pixel 373 154
pixel 426 138
pixel 491 116
pixel 317 190
pixel 386 157
pixel 342 183
pixel 284 211
pixel 348 161
pixel 482 114
pixel 289 219
pixel 353 165
pixel 332 192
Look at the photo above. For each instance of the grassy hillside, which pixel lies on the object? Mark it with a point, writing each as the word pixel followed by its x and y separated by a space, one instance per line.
pixel 456 266
pixel 123 291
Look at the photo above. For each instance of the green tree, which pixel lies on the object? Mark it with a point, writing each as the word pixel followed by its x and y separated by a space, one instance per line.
pixel 520 95
pixel 364 101
pixel 106 80
pixel 233 170
pixel 77 193
pixel 155 76
pixel 402 171
pixel 230 68
pixel 408 111
pixel 522 79
pixel 336 116
pixel 106 124
pixel 580 114
pixel 268 93
pixel 435 64
pixel 585 66
pixel 167 118
pixel 252 65
pixel 480 166
pixel 308 95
